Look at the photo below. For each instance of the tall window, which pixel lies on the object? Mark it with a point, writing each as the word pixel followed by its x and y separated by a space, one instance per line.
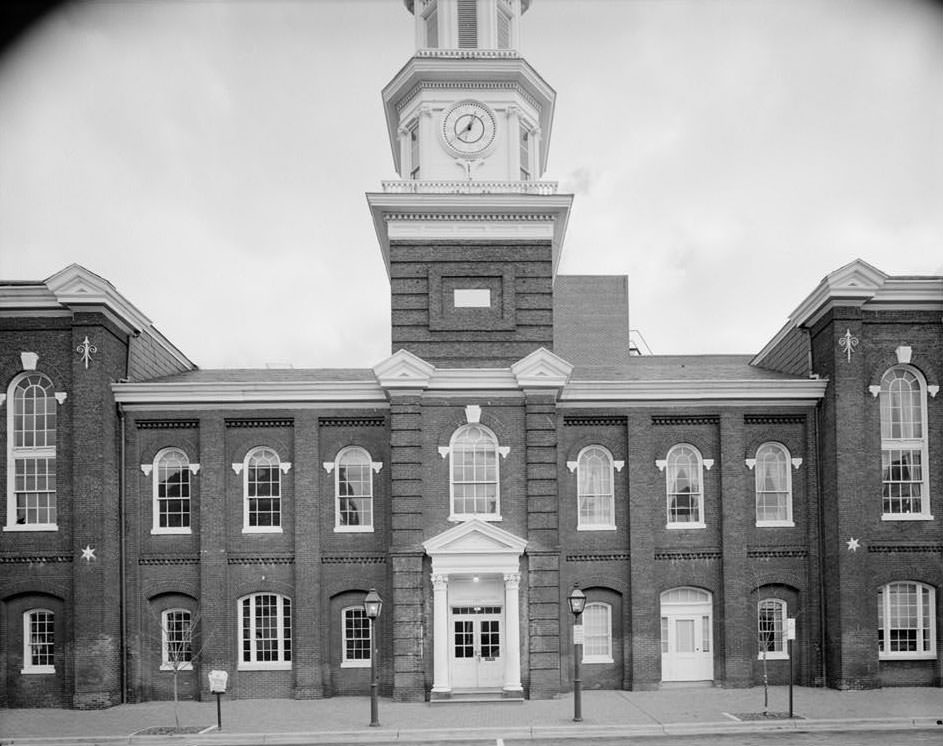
pixel 597 633
pixel 39 641
pixel 357 643
pixel 685 490
pixel 595 490
pixel 171 477
pixel 263 489
pixel 773 486
pixel 904 444
pixel 265 622
pixel 353 481
pixel 525 153
pixel 906 621
pixel 31 474
pixel 414 151
pixel 771 626
pixel 176 651
pixel 474 467
pixel 467 24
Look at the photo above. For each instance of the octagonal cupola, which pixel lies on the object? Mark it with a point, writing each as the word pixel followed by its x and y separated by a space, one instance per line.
pixel 467 24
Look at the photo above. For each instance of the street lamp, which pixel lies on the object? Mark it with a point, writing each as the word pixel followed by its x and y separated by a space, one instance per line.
pixel 577 601
pixel 372 605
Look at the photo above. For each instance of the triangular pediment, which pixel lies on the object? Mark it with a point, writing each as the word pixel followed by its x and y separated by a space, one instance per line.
pixel 403 369
pixel 475 537
pixel 542 368
pixel 76 285
pixel 856 278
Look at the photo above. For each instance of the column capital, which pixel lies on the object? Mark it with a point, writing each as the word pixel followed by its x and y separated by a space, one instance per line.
pixel 512 580
pixel 439 581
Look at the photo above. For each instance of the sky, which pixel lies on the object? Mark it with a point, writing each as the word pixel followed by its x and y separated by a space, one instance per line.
pixel 210 159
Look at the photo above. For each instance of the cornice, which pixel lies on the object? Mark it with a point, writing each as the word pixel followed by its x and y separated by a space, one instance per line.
pixel 269 392
pixel 802 391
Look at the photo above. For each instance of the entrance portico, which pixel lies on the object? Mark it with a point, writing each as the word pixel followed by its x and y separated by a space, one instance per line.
pixel 476 609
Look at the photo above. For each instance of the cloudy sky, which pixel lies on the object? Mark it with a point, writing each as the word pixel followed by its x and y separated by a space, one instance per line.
pixel 210 159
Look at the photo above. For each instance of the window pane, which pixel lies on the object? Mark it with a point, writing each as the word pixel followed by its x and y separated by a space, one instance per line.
pixel 597 630
pixel 41 644
pixel 356 635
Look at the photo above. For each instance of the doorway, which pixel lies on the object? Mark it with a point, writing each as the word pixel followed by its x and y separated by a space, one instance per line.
pixel 477 647
pixel 686 635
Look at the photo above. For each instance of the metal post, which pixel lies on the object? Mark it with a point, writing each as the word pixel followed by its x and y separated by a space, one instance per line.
pixel 790 678
pixel 374 711
pixel 219 712
pixel 577 681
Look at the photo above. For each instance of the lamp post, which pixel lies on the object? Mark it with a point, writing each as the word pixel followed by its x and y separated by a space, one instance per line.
pixel 372 604
pixel 577 601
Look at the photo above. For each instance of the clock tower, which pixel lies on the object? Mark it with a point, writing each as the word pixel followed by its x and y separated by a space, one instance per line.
pixel 470 234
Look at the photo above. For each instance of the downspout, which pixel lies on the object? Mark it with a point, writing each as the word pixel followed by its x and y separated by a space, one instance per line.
pixel 823 630
pixel 122 552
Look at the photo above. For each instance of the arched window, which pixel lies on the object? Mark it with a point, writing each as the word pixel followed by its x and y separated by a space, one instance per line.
pixel 684 485
pixel 597 632
pixel 474 473
pixel 31 470
pixel 594 490
pixel 773 486
pixel 263 489
pixel 265 626
pixel 171 479
pixel 353 490
pixel 176 643
pixel 904 445
pixel 771 627
pixel 357 642
pixel 39 641
pixel 906 621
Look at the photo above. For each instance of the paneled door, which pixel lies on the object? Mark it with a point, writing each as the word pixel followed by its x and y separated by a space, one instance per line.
pixel 477 642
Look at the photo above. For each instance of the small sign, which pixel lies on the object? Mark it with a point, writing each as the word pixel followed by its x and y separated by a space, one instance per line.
pixel 791 629
pixel 218 681
pixel 578 634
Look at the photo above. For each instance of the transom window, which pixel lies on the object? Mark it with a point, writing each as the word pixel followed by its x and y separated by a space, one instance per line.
pixel 474 473
pixel 684 486
pixel 357 641
pixel 263 489
pixel 39 641
pixel 771 628
pixel 176 651
pixel 265 623
pixel 905 490
pixel 773 486
pixel 171 477
pixel 353 482
pixel 596 502
pixel 31 474
pixel 906 621
pixel 597 633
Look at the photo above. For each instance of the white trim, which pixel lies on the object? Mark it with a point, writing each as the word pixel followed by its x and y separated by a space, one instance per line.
pixel 610 524
pixel 501 450
pixel 930 624
pixel 33 527
pixel 802 390
pixel 920 444
pixel 154 473
pixel 773 656
pixel 357 662
pixel 165 663
pixel 371 470
pixel 279 665
pixel 246 528
pixel 188 666
pixel 701 507
pixel 262 530
pixel 776 522
pixel 265 392
pixel 682 526
pixel 906 516
pixel 28 360
pixel 26 621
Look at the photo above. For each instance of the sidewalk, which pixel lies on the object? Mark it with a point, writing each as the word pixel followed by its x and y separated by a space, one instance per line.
pixel 611 713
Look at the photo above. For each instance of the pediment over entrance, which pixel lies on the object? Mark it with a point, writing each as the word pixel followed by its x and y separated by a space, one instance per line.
pixel 473 547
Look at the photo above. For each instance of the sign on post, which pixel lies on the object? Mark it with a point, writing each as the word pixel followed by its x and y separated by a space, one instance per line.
pixel 578 634
pixel 791 629
pixel 218 681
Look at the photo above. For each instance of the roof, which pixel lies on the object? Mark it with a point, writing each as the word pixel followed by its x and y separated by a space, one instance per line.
pixel 680 368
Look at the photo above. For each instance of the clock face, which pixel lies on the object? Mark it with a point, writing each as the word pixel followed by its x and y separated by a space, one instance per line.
pixel 468 128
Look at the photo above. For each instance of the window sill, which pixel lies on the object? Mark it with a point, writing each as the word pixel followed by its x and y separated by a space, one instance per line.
pixel 355 664
pixel 907 656
pixel 31 670
pixel 595 528
pixel 267 666
pixel 32 527
pixel 906 517
pixel 773 656
pixel 775 524
pixel 171 667
pixel 461 517
pixel 170 531
pixel 679 526
pixel 598 659
pixel 353 529
pixel 262 530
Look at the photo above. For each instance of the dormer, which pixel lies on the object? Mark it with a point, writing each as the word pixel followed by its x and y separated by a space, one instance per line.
pixel 466 24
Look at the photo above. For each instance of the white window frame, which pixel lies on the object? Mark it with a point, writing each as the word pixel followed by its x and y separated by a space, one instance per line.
pixel 598 657
pixel 787 461
pixel 166 664
pixel 700 522
pixel 609 467
pixel 254 664
pixel 919 444
pixel 246 528
pixel 338 465
pixel 924 622
pixel 28 666
pixel 156 528
pixel 15 453
pixel 453 447
pixel 355 662
pixel 782 653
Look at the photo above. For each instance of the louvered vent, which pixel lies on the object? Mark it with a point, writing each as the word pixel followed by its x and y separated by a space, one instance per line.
pixel 432 30
pixel 504 30
pixel 468 24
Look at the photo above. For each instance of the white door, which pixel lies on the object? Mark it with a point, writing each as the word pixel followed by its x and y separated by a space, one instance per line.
pixel 686 636
pixel 477 641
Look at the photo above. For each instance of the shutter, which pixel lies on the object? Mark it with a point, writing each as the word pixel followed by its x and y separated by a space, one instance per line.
pixel 467 24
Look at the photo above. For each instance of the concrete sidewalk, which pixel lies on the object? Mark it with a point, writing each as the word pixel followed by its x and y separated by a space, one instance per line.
pixel 612 713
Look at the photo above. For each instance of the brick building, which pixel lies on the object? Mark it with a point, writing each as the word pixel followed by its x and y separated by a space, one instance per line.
pixel 509 447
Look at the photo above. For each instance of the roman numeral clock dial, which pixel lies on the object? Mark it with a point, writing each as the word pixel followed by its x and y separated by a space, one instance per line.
pixel 468 128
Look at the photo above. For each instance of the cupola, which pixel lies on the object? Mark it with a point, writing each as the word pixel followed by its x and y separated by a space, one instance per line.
pixel 466 24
